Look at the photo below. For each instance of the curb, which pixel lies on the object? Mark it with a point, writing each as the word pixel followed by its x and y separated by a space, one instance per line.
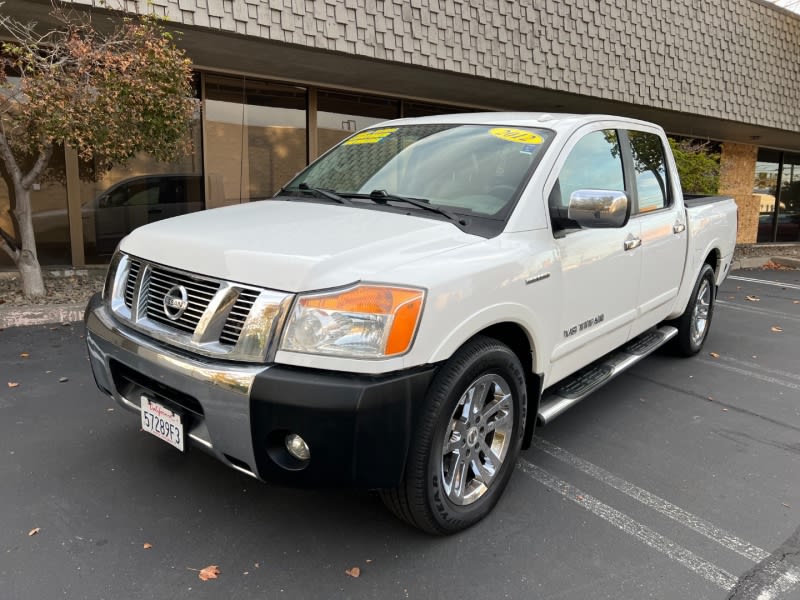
pixel 754 262
pixel 44 314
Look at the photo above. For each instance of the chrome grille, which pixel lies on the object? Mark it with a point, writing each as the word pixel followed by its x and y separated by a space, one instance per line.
pixel 130 285
pixel 237 317
pixel 222 319
pixel 199 293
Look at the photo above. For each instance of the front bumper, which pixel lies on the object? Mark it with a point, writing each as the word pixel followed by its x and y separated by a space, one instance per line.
pixel 358 427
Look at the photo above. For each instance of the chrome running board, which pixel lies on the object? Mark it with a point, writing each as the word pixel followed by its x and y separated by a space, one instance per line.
pixel 579 385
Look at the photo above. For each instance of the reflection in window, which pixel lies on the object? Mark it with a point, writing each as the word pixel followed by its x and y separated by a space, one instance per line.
pixel 594 163
pixel 340 115
pixel 765 187
pixel 788 224
pixel 50 221
pixel 471 167
pixel 255 138
pixel 139 192
pixel 651 172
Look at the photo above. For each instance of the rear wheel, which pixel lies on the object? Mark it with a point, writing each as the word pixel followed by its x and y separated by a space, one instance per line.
pixel 694 323
pixel 466 442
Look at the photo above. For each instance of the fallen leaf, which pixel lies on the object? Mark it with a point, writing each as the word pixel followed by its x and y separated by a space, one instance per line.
pixel 579 497
pixel 753 298
pixel 246 573
pixel 714 355
pixel 13 384
pixel 147 546
pixel 368 561
pixel 24 355
pixel 731 297
pixel 63 379
pixel 710 398
pixel 786 505
pixel 210 572
pixel 354 572
pixel 776 329
pixel 796 302
pixel 724 410
pixel 33 531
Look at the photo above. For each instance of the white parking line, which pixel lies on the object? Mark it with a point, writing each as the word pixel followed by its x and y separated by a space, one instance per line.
pixel 789 384
pixel 760 311
pixel 666 508
pixel 788 286
pixel 758 367
pixel 644 534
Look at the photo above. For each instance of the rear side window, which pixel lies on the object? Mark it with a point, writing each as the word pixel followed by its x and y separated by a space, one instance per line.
pixel 595 163
pixel 650 166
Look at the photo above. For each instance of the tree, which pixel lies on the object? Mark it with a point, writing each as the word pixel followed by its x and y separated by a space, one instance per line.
pixel 107 94
pixel 698 166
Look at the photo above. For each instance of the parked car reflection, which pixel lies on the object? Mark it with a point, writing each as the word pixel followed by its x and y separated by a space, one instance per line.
pixel 788 227
pixel 140 200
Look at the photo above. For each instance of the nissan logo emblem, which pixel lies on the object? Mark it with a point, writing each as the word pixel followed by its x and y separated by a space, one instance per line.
pixel 175 302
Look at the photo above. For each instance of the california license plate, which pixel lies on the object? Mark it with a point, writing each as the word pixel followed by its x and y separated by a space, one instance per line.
pixel 162 423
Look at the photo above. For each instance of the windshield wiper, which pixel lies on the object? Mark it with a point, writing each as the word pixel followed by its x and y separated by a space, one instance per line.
pixel 382 196
pixel 322 193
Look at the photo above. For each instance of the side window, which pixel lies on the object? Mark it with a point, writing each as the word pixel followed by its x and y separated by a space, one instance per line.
pixel 651 171
pixel 595 163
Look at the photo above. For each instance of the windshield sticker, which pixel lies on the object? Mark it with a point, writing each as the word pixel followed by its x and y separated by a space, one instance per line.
pixel 370 137
pixel 520 136
pixel 528 149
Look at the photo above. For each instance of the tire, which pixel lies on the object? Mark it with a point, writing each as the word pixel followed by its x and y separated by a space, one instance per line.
pixel 465 441
pixel 694 323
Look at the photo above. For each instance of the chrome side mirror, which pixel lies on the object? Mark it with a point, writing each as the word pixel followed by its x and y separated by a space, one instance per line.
pixel 599 208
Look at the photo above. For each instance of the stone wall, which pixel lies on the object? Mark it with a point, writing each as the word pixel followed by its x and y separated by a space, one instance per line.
pixel 737 60
pixel 737 170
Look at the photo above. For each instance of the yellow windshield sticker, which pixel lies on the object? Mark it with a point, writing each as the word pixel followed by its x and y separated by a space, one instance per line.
pixel 520 136
pixel 370 137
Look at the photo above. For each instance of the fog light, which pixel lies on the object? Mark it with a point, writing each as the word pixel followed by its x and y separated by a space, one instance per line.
pixel 297 447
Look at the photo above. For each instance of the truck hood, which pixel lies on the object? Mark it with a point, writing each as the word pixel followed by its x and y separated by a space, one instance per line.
pixel 294 246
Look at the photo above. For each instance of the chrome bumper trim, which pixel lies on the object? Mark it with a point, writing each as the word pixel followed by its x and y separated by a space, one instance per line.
pixel 222 390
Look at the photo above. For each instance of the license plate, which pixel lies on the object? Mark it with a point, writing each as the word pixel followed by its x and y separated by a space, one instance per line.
pixel 162 423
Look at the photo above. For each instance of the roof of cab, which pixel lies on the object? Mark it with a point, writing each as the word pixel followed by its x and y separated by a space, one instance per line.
pixel 519 119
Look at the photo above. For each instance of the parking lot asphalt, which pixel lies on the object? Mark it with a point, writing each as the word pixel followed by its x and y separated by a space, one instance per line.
pixel 678 480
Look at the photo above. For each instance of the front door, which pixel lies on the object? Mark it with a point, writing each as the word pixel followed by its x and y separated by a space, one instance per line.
pixel 599 271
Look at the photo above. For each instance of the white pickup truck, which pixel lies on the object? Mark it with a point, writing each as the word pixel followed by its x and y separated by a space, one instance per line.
pixel 402 313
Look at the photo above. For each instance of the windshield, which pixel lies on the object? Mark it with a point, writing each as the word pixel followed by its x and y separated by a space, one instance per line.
pixel 469 169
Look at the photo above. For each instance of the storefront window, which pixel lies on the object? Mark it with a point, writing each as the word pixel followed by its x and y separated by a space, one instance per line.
pixel 778 186
pixel 255 138
pixel 49 208
pixel 339 115
pixel 423 109
pixel 766 187
pixel 788 225
pixel 141 191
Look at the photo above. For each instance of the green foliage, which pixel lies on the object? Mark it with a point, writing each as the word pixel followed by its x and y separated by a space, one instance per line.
pixel 109 95
pixel 698 166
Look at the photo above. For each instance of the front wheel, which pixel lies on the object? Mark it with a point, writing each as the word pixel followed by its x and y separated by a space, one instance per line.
pixel 466 440
pixel 694 323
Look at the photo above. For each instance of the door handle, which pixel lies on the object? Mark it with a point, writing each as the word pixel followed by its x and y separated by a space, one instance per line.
pixel 678 228
pixel 632 243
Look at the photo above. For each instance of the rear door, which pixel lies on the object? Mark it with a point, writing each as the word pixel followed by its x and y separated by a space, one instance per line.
pixel 662 224
pixel 599 271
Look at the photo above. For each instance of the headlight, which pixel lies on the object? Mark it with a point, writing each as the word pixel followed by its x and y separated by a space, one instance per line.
pixel 366 321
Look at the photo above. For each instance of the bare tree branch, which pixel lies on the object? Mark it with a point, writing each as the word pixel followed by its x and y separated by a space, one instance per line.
pixel 9 245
